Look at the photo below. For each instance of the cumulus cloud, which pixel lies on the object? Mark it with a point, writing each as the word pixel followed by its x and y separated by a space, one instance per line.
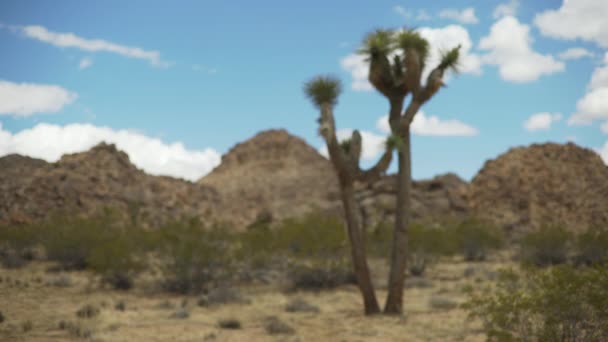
pixel 603 151
pixel 509 47
pixel 440 39
pixel 85 63
pixel 25 99
pixel 604 127
pixel 71 40
pixel 49 142
pixel 432 126
pixel 372 143
pixel 448 37
pixel 465 16
pixel 593 106
pixel 357 66
pixel 575 53
pixel 576 19
pixel 506 9
pixel 541 121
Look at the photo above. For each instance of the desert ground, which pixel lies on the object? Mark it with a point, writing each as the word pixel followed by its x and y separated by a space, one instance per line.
pixel 39 305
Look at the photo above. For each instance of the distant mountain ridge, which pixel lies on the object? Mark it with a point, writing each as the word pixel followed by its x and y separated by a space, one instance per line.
pixel 275 175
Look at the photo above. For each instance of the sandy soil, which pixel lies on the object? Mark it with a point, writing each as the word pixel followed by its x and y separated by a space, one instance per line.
pixel 33 305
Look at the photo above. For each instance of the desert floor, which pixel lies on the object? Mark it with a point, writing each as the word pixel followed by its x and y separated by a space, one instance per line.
pixel 38 305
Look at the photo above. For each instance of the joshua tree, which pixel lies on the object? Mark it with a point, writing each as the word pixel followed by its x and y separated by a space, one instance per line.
pixel 396 62
pixel 323 91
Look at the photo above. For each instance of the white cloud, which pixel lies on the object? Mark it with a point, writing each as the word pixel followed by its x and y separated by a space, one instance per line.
pixel 603 152
pixel 432 125
pixel 575 53
pixel 440 39
pixel 25 99
pixel 465 16
pixel 92 45
pixel 85 63
pixel 604 127
pixel 448 37
pixel 402 12
pixel 204 69
pixel 599 78
pixel 541 121
pixel 506 9
pixel 358 68
pixel 509 46
pixel 576 19
pixel 594 105
pixel 423 15
pixel 49 142
pixel 372 143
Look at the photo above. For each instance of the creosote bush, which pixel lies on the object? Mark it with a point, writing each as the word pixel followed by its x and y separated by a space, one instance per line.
pixel 194 258
pixel 592 247
pixel 475 239
pixel 550 245
pixel 561 303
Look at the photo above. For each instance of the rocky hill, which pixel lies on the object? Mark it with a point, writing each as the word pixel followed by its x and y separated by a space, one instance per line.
pixel 279 174
pixel 272 173
pixel 275 175
pixel 550 184
pixel 84 183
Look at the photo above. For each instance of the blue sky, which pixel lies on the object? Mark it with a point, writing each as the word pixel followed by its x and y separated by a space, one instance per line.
pixel 176 84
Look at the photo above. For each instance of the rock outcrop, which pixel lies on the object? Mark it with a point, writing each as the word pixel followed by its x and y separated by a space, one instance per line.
pixel 85 183
pixel 443 197
pixel 272 174
pixel 543 184
pixel 275 175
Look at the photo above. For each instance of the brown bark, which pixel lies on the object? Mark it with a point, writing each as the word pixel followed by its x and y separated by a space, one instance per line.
pixel 358 250
pixel 348 171
pixel 394 300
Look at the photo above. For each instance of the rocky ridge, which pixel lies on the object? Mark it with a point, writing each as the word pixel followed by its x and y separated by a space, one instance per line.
pixel 275 175
pixel 542 184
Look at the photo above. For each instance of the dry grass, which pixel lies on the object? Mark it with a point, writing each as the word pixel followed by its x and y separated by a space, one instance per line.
pixel 339 318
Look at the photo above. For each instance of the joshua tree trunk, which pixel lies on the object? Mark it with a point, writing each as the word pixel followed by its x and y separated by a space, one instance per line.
pixel 358 250
pixel 394 300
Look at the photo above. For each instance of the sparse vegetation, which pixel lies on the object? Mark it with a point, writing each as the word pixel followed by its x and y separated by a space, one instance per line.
pixel 442 303
pixel 300 305
pixel 475 239
pixel 561 303
pixel 88 311
pixel 550 245
pixel 592 247
pixel 229 323
pixel 275 326
pixel 194 258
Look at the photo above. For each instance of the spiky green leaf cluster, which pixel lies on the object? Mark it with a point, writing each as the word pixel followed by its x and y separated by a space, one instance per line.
pixel 409 39
pixel 346 145
pixel 378 42
pixel 450 59
pixel 323 90
pixel 394 142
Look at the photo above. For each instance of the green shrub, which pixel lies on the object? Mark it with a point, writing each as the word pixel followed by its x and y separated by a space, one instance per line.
pixel 550 245
pixel 425 245
pixel 592 246
pixel 69 241
pixel 118 259
pixel 17 245
pixel 314 236
pixel 556 304
pixel 193 258
pixel 475 239
pixel 320 276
